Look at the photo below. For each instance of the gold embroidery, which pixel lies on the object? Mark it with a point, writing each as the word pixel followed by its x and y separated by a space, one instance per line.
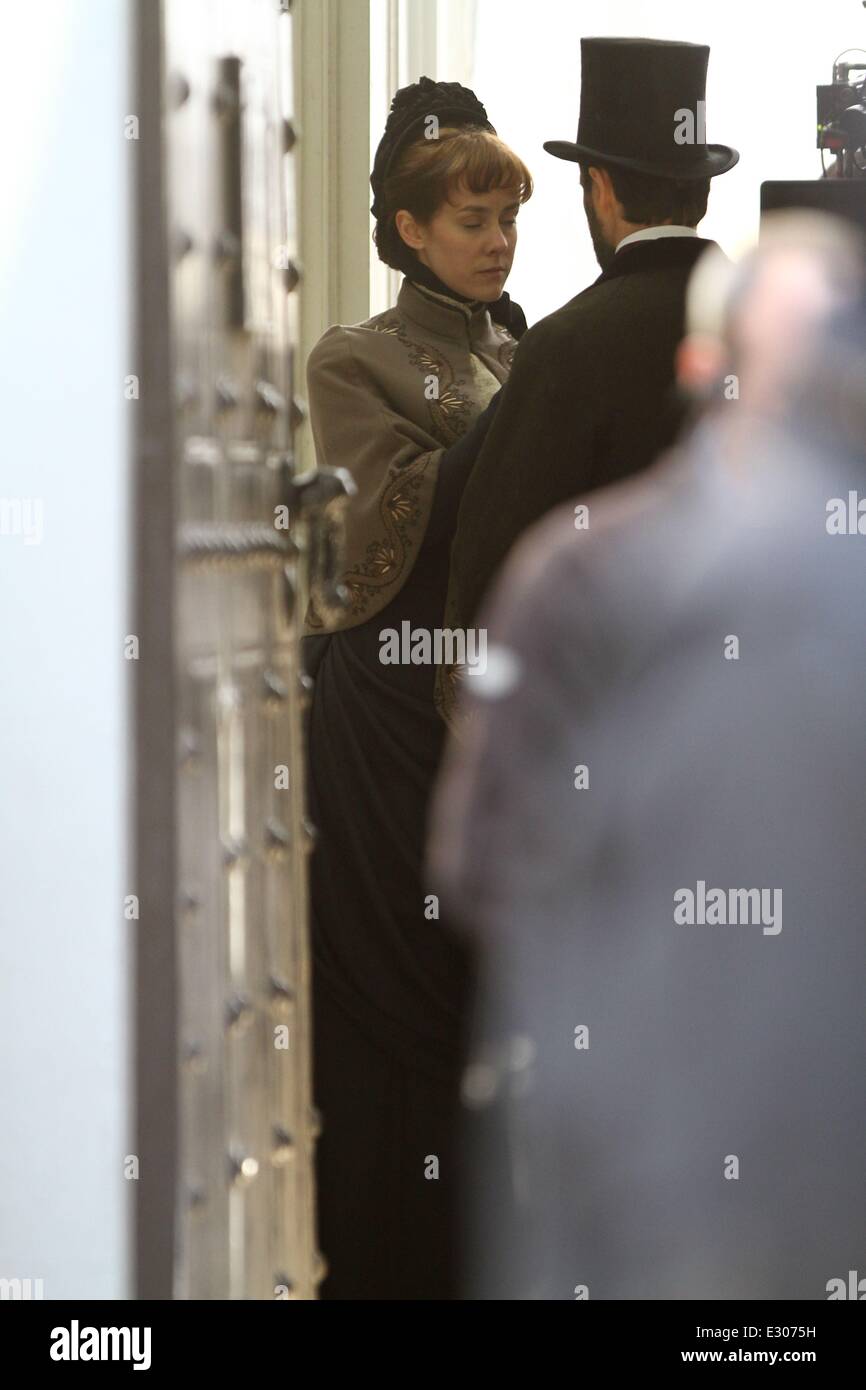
pixel 450 411
pixel 404 495
pixel 401 514
pixel 400 506
pixel 381 558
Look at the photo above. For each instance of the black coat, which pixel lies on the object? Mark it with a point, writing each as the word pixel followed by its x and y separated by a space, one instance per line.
pixel 590 400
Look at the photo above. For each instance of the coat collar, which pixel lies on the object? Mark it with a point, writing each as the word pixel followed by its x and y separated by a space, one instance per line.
pixel 656 254
pixel 449 318
pixel 653 233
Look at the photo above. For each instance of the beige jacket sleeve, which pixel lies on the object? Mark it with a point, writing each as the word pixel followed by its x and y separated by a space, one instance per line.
pixel 392 459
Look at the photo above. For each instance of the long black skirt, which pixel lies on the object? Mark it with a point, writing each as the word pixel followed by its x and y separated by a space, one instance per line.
pixel 386 1168
pixel 391 980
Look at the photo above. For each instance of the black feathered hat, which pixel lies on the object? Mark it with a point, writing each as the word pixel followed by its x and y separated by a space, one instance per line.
pixel 449 102
pixel 636 96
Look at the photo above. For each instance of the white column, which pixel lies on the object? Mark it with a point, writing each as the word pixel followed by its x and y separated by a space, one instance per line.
pixel 332 88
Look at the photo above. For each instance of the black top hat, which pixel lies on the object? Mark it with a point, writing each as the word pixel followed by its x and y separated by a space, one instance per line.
pixel 639 110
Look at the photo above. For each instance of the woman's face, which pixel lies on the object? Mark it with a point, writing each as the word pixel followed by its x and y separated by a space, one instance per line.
pixel 469 243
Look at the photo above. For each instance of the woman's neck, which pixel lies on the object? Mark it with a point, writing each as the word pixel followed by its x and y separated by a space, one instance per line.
pixel 421 274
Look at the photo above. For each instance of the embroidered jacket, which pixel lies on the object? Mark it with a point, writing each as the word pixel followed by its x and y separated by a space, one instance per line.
pixel 387 398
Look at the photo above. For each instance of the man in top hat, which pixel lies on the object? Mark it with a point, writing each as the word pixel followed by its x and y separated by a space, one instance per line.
pixel 591 397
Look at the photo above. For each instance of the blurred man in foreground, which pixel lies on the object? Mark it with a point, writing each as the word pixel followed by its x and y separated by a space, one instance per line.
pixel 655 835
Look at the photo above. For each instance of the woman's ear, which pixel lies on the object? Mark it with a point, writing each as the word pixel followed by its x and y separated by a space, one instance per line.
pixel 409 229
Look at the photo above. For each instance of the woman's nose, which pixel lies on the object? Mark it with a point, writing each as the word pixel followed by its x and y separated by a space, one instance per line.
pixel 498 240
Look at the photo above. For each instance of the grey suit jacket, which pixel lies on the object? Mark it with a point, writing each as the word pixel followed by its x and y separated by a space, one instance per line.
pixel 661 1108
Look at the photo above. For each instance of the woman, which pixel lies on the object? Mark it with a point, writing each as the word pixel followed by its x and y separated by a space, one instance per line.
pixel 402 402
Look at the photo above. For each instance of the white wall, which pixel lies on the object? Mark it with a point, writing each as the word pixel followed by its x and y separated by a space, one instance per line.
pixel 65 949
pixel 765 61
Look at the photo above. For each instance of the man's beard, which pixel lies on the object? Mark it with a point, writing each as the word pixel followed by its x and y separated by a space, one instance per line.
pixel 604 252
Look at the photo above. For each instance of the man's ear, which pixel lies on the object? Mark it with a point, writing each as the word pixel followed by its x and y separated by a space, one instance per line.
pixel 409 229
pixel 604 188
pixel 593 188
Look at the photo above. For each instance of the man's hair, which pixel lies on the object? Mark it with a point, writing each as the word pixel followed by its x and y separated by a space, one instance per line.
pixel 649 198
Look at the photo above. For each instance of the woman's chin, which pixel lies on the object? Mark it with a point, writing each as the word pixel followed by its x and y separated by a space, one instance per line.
pixel 486 288
pixel 491 288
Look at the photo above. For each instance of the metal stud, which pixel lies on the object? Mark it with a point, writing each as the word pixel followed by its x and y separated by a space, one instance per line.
pixel 227 247
pixel 234 852
pixel 277 839
pixel 292 276
pixel 185 391
pixel 307 685
pixel 188 903
pixel 239 1014
pixel 188 748
pixel 182 243
pixel 178 90
pixel 243 1169
pixel 283 1151
pixel 226 394
pixel 269 399
pixel 276 692
pixel 193 1059
pixel 282 997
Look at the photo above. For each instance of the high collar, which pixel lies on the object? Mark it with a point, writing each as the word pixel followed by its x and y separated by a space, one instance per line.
pixel 442 314
pixel 503 311
pixel 656 254
pixel 422 275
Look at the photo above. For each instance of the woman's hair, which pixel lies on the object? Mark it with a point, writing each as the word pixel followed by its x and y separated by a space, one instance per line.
pixel 426 173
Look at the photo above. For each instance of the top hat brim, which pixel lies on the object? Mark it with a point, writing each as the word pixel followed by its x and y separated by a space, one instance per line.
pixel 706 164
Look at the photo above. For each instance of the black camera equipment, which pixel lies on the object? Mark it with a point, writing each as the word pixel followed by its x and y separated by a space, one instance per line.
pixel 842 118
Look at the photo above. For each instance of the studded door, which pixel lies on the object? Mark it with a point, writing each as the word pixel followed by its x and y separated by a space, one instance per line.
pixel 243 1224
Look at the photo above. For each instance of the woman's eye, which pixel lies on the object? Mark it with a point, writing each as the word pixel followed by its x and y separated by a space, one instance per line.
pixel 471 226
pixel 509 222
